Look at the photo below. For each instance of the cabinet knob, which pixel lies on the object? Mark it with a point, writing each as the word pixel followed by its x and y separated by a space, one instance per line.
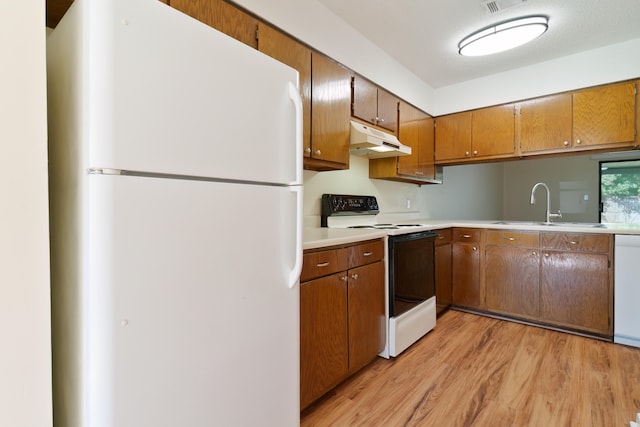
pixel 466 153
pixel 307 150
pixel 475 152
pixel 534 253
pixel 475 248
pixel 354 276
pixel 578 141
pixel 566 143
pixel 344 278
pixel 318 152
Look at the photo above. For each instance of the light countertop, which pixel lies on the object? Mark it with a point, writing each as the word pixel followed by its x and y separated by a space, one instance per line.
pixel 318 237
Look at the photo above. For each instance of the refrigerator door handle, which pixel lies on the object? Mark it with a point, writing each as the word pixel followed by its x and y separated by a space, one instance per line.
pixel 294 94
pixel 294 277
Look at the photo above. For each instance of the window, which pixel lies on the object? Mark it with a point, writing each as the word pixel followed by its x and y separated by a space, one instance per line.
pixel 620 192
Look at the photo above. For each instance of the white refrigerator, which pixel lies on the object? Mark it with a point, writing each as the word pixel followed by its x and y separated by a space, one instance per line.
pixel 176 198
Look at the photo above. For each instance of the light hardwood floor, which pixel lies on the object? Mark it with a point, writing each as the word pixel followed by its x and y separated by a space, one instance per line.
pixel 477 371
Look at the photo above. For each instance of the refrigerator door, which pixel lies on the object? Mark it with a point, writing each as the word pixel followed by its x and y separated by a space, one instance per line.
pixel 191 320
pixel 168 94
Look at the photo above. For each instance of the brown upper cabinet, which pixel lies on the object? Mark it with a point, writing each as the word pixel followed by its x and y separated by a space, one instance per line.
pixel 374 105
pixel 602 117
pixel 416 129
pixel 223 17
pixel 545 123
pixel 483 134
pixel 330 119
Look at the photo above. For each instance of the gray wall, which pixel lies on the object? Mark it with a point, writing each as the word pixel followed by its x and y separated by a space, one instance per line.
pixel 571 179
pixel 467 192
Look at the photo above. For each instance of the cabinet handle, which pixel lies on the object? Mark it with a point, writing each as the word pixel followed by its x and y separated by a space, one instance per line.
pixel 419 173
pixel 466 236
pixel 354 276
pixel 511 239
pixel 322 264
pixel 318 152
pixel 578 141
pixel 573 242
pixel 367 254
pixel 566 143
pixel 381 120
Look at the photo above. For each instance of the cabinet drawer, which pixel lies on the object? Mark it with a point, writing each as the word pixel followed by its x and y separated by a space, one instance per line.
pixel 575 242
pixel 512 238
pixel 366 253
pixel 444 236
pixel 323 263
pixel 467 235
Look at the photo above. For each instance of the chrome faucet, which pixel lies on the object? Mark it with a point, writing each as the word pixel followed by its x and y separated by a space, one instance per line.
pixel 533 201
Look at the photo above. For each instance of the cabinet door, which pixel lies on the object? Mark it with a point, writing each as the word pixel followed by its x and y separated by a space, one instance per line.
pixel 331 106
pixel 466 275
pixel 323 336
pixel 453 137
pixel 444 257
pixel 221 16
pixel 604 115
pixel 367 332
pixel 545 123
pixel 493 131
pixel 365 100
pixel 387 111
pixel 574 291
pixel 285 49
pixel 417 131
pixel 512 280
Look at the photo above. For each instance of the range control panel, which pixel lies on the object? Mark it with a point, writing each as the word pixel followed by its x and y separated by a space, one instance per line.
pixel 341 204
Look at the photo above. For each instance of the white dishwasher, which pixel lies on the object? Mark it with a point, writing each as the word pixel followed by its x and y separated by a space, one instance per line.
pixel 626 327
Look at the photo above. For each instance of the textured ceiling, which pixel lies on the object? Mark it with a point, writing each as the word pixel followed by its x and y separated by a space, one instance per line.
pixel 423 34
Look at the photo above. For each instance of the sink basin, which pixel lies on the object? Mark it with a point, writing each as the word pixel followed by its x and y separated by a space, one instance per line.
pixel 520 223
pixel 579 224
pixel 554 224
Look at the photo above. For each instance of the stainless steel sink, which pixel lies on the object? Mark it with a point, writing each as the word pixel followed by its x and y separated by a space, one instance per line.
pixel 554 224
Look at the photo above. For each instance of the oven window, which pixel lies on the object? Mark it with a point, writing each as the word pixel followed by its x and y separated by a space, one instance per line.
pixel 411 271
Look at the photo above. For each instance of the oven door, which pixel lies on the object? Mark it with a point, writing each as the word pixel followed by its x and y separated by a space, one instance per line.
pixel 411 270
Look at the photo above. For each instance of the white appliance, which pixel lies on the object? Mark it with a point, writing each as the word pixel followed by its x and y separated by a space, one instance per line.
pixel 626 326
pixel 374 143
pixel 175 161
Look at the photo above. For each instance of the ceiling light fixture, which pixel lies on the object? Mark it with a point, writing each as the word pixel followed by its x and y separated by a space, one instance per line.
pixel 503 36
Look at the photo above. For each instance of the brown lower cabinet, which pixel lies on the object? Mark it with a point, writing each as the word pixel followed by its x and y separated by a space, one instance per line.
pixel 342 315
pixel 576 282
pixel 563 280
pixel 443 257
pixel 512 268
pixel 466 250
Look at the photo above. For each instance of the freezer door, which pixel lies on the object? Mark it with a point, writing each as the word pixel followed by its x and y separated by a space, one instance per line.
pixel 190 319
pixel 169 94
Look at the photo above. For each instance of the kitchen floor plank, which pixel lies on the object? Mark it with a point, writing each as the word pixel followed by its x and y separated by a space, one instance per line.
pixel 478 371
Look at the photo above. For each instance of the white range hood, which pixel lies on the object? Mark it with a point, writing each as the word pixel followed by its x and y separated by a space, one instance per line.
pixel 373 143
